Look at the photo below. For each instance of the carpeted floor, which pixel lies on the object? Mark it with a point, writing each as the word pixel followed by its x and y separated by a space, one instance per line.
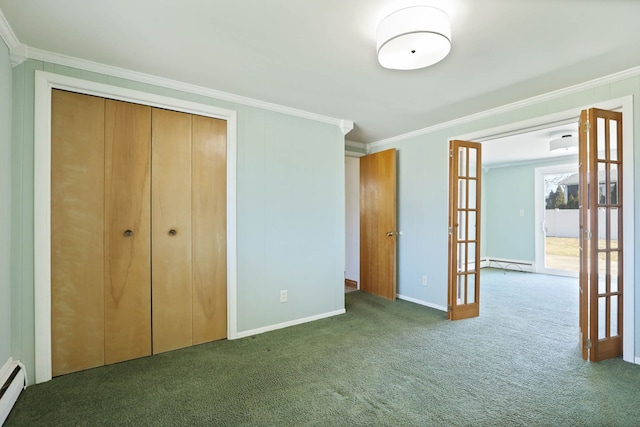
pixel 381 363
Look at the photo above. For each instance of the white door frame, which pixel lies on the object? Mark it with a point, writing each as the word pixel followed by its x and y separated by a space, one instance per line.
pixel 539 215
pixel 625 105
pixel 44 83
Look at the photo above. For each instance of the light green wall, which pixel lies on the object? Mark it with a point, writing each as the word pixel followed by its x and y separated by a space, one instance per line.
pixel 507 190
pixel 5 204
pixel 423 193
pixel 290 210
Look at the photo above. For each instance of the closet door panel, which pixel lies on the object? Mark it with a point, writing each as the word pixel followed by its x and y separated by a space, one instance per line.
pixel 171 230
pixel 77 223
pixel 127 231
pixel 209 205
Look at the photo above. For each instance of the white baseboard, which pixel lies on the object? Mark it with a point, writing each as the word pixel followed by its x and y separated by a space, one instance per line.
pixel 637 360
pixel 275 327
pixel 508 264
pixel 14 389
pixel 425 303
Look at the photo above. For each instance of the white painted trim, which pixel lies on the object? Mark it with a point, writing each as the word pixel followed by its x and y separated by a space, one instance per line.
pixel 353 154
pixel 637 360
pixel 538 215
pixel 6 33
pixel 611 78
pixel 68 61
pixel 624 104
pixel 44 82
pixel 421 302
pixel 295 322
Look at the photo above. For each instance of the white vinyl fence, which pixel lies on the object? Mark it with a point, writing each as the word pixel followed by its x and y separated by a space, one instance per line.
pixel 566 223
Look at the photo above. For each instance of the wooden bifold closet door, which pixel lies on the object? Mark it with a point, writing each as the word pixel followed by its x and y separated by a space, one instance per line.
pixel 138 235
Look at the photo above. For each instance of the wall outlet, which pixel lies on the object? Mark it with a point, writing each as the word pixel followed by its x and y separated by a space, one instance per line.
pixel 424 280
pixel 283 296
pixel 521 212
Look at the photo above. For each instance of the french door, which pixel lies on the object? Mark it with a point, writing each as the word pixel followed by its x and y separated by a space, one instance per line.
pixel 601 249
pixel 464 231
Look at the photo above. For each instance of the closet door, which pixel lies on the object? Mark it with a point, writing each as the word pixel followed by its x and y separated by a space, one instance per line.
pixel 171 230
pixel 209 212
pixel 77 223
pixel 127 293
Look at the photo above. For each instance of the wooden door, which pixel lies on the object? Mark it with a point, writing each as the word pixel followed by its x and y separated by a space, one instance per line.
pixel 378 224
pixel 77 223
pixel 464 231
pixel 209 224
pixel 601 249
pixel 127 293
pixel 171 263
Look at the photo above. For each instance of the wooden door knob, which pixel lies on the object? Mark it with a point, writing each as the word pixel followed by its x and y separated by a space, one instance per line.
pixel 127 233
pixel 172 232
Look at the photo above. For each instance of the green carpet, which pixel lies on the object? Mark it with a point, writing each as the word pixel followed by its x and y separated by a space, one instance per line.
pixel 381 363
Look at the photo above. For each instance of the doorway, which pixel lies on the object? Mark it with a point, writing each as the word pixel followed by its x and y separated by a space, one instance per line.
pixel 623 105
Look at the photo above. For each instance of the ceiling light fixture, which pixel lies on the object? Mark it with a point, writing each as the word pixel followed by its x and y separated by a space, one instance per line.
pixel 414 37
pixel 566 143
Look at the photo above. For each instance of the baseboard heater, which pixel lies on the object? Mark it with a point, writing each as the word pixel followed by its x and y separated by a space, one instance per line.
pixel 13 382
pixel 507 264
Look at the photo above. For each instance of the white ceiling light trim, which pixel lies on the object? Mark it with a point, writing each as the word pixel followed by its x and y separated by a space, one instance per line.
pixel 413 37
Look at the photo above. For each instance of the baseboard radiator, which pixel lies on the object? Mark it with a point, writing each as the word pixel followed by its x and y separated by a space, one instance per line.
pixel 12 382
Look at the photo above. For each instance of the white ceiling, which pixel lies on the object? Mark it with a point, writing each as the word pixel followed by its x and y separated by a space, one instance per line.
pixel 319 56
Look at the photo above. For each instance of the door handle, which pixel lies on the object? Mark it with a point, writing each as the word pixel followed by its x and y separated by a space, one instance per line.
pixel 390 233
pixel 127 233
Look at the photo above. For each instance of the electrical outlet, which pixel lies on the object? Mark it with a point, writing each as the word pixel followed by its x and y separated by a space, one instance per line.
pixel 283 296
pixel 424 280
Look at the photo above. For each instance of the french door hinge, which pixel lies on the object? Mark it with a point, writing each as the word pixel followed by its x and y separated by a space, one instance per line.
pixel 451 152
pixel 449 308
pixel 587 235
pixel 587 126
pixel 586 343
pixel 450 231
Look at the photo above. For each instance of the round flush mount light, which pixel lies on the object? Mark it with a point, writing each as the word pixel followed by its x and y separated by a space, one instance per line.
pixel 565 143
pixel 413 37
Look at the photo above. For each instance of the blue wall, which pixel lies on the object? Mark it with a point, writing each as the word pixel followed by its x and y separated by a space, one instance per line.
pixel 5 204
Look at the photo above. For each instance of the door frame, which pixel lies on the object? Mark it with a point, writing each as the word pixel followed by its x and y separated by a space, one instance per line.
pixel 44 83
pixel 539 213
pixel 625 105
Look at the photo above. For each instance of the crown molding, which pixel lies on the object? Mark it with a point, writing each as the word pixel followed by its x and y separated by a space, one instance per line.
pixel 6 33
pixel 591 84
pixel 68 61
pixel 18 54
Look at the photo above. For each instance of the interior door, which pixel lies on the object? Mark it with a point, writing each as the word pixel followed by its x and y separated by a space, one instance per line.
pixel 77 217
pixel 464 232
pixel 601 249
pixel 378 224
pixel 171 256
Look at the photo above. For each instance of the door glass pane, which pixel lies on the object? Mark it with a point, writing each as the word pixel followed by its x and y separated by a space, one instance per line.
pixel 473 156
pixel 472 226
pixel 601 232
pixel 613 184
pixel 602 317
pixel 602 273
pixel 471 288
pixel 462 225
pixel 614 315
pixel 471 257
pixel 613 140
pixel 462 161
pixel 614 276
pixel 462 193
pixel 601 139
pixel 613 218
pixel 602 183
pixel 461 289
pixel 462 257
pixel 472 194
